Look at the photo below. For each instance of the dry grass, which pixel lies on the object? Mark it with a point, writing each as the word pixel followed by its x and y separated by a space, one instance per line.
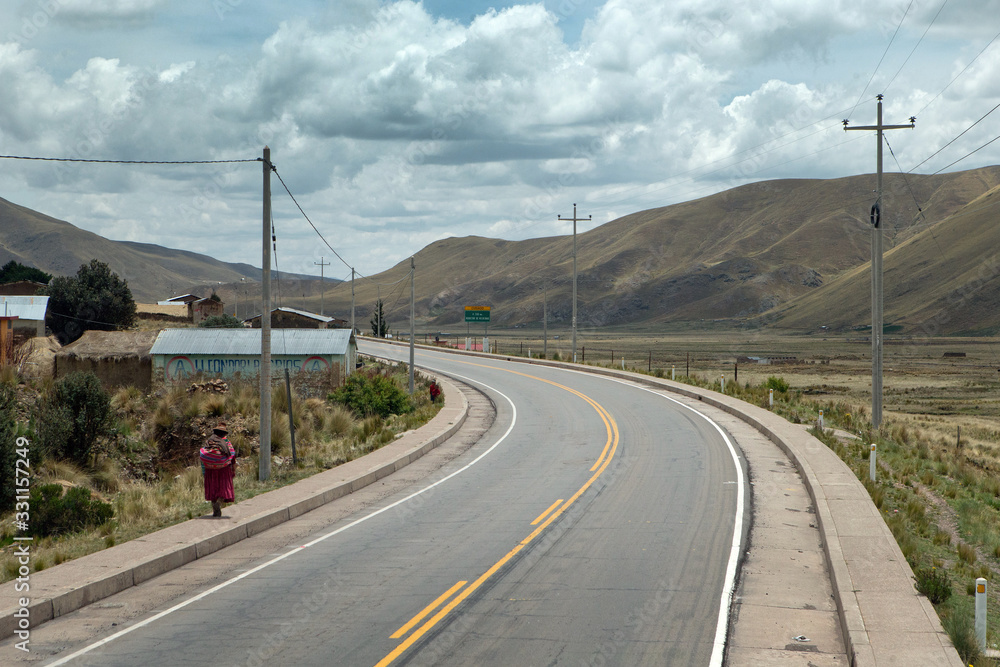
pixel 327 435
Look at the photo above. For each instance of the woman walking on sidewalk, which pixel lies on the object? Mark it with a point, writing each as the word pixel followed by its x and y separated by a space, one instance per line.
pixel 218 463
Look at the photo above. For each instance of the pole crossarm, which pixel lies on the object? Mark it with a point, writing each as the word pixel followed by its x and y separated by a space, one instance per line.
pixel 574 220
pixel 876 277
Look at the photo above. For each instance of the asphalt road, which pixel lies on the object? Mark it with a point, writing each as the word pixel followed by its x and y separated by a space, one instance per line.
pixel 592 525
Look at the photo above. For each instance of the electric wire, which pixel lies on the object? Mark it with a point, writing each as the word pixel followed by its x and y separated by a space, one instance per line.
pixel 886 87
pixel 957 76
pixel 969 154
pixel 887 47
pixel 955 139
pixel 74 159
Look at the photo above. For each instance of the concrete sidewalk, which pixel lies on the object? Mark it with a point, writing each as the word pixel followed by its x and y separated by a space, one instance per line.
pixel 80 582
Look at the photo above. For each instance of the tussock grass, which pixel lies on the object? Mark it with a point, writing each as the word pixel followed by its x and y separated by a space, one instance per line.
pixel 327 435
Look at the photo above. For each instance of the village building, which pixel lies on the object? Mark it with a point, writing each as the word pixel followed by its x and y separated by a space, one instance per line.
pixel 21 288
pixel 198 308
pixel 320 358
pixel 118 358
pixel 293 318
pixel 29 311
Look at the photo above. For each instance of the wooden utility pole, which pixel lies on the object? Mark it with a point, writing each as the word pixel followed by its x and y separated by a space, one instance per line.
pixel 876 281
pixel 575 220
pixel 264 458
pixel 322 285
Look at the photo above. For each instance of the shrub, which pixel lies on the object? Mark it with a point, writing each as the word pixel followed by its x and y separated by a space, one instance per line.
pixel 8 445
pixel 221 322
pixel 75 414
pixel 370 394
pixel 776 383
pixel 53 512
pixel 933 583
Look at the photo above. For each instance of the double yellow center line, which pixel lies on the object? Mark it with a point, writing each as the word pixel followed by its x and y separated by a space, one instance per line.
pixel 542 522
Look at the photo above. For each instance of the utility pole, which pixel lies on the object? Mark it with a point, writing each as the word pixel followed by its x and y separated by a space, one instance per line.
pixel 545 323
pixel 352 300
pixel 322 285
pixel 264 458
pixel 378 312
pixel 575 220
pixel 876 282
pixel 413 272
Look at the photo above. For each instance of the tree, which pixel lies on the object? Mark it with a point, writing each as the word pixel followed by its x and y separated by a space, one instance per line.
pixel 221 322
pixel 13 272
pixel 96 298
pixel 73 416
pixel 380 327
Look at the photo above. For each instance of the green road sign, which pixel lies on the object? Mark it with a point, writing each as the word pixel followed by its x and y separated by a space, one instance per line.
pixel 477 314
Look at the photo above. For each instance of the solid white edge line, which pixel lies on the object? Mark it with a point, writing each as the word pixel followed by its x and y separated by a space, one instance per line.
pixel 722 626
pixel 181 605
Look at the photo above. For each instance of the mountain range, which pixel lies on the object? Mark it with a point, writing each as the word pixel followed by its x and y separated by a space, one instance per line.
pixel 789 254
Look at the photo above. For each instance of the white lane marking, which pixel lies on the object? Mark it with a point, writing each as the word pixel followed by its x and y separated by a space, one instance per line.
pixel 204 594
pixel 722 626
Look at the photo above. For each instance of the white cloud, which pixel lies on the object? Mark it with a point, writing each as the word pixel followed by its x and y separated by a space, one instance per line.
pixel 395 128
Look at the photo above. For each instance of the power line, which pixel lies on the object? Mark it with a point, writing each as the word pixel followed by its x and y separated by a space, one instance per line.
pixel 887 47
pixel 957 138
pixel 960 73
pixel 73 159
pixel 915 45
pixel 969 154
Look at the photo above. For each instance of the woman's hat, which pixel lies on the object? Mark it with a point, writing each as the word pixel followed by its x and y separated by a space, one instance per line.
pixel 221 426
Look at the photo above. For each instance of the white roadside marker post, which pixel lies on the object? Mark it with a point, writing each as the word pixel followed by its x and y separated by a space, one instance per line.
pixel 770 398
pixel 871 464
pixel 981 613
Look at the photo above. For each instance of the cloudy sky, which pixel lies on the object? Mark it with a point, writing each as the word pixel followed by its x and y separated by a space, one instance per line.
pixel 397 123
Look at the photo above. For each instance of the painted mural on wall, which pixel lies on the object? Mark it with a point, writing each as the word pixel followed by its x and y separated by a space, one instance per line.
pixel 180 367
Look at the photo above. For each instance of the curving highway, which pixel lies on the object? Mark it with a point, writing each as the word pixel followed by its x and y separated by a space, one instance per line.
pixel 596 522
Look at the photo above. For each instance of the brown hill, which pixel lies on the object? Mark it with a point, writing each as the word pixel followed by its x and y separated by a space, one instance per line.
pixel 790 253
pixel 733 255
pixel 944 279
pixel 153 272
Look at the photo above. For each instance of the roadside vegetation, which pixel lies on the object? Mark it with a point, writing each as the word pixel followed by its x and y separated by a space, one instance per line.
pixel 107 468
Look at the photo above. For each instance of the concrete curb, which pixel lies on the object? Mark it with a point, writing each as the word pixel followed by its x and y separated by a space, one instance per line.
pixel 869 574
pixel 77 583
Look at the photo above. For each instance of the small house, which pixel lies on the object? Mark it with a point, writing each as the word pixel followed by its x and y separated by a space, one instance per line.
pixel 118 358
pixel 21 288
pixel 316 358
pixel 29 311
pixel 293 318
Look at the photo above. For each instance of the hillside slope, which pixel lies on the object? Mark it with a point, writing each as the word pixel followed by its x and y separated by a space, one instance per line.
pixel 153 272
pixel 945 279
pixel 733 255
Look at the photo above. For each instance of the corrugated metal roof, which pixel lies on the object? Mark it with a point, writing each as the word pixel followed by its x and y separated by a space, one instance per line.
pixel 226 342
pixel 24 307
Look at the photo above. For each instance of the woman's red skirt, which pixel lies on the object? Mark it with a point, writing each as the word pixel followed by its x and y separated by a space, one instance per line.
pixel 219 483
